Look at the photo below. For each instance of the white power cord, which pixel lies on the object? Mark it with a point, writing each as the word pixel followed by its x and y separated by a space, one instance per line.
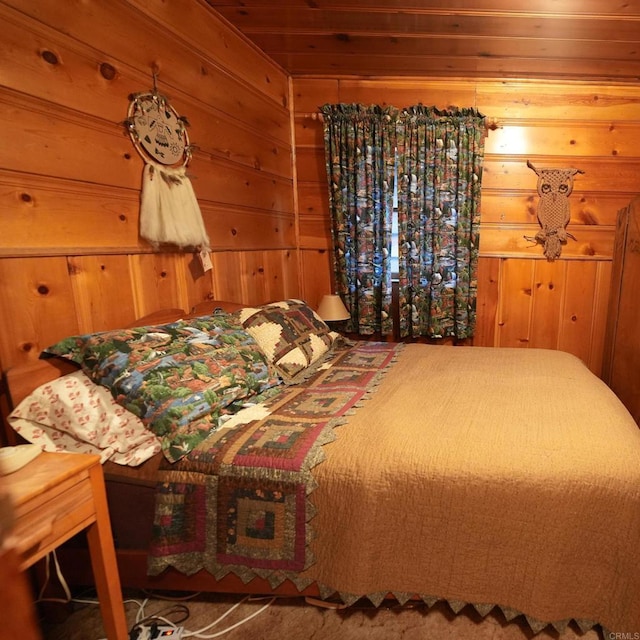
pixel 47 577
pixel 140 615
pixel 141 618
pixel 198 633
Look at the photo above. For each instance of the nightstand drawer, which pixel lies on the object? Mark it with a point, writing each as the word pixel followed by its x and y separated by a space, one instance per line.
pixel 44 524
pixel 55 496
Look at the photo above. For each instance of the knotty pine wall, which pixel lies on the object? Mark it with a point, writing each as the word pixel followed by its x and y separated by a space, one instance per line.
pixel 70 256
pixel 523 300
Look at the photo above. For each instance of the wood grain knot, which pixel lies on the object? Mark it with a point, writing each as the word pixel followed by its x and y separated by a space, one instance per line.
pixel 43 290
pixel 25 197
pixel 50 57
pixel 107 71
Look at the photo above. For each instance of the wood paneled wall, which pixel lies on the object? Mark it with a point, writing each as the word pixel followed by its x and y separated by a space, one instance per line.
pixel 523 300
pixel 71 259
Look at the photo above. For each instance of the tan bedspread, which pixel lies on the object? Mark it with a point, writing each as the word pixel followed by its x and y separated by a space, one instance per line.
pixel 497 476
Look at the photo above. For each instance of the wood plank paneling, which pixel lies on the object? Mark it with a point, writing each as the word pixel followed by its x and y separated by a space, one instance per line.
pixel 38 307
pixel 523 300
pixel 103 292
pixel 507 100
pixel 133 43
pixel 44 216
pixel 71 146
pixel 482 39
pixel 516 303
pixel 630 7
pixel 547 297
pixel 315 232
pixel 592 69
pixel 70 178
pixel 317 273
pixel 214 39
pixel 600 314
pixel 41 214
pixel 593 243
pixel 487 302
pixel 577 320
pixel 554 101
pixel 599 174
pixel 424 22
pixel 292 48
pixel 520 207
pixel 45 139
pixel 232 227
pixel 158 281
pixel 255 277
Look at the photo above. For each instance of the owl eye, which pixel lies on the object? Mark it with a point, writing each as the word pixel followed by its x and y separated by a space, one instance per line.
pixel 563 188
pixel 546 187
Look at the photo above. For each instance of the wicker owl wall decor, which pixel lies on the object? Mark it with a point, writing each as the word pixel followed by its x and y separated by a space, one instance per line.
pixel 554 187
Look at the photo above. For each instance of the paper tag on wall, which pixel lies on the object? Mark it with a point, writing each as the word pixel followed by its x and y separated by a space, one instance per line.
pixel 205 260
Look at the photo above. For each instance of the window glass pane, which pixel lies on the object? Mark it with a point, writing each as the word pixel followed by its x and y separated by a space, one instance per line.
pixel 394 226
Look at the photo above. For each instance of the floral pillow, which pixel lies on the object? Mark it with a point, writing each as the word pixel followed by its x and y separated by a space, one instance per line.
pixel 178 378
pixel 292 336
pixel 71 413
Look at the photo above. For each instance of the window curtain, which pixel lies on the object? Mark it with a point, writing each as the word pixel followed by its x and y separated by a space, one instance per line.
pixel 360 146
pixel 440 157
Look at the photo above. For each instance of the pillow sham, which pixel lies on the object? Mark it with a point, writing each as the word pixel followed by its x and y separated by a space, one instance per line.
pixel 292 336
pixel 178 378
pixel 71 413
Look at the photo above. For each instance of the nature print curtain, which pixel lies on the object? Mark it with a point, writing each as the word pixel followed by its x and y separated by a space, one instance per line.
pixel 440 157
pixel 360 155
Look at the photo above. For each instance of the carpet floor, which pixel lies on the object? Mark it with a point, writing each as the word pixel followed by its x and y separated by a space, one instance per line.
pixel 295 619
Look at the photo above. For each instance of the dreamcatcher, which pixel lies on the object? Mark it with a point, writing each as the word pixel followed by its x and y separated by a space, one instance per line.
pixel 169 210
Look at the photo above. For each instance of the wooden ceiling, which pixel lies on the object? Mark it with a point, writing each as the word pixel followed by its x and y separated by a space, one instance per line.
pixel 589 40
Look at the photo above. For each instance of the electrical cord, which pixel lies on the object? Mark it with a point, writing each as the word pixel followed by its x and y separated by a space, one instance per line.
pixel 47 578
pixel 199 632
pixel 162 615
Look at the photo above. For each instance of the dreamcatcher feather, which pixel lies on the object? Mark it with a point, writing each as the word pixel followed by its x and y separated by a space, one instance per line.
pixel 169 209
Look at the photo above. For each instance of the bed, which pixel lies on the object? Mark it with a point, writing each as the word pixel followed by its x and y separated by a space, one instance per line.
pixel 483 476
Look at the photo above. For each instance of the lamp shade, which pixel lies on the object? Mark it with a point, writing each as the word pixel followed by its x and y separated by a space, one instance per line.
pixel 332 309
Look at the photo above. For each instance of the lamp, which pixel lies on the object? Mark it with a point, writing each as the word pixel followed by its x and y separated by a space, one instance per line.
pixel 332 309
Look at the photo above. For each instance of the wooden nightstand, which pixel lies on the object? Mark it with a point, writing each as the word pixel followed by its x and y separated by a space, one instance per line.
pixel 56 496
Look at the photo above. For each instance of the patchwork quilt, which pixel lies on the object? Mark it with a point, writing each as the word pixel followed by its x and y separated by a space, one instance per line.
pixel 239 501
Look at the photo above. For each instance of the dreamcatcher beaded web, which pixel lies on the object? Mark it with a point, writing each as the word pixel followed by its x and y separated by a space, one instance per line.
pixel 554 188
pixel 169 210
